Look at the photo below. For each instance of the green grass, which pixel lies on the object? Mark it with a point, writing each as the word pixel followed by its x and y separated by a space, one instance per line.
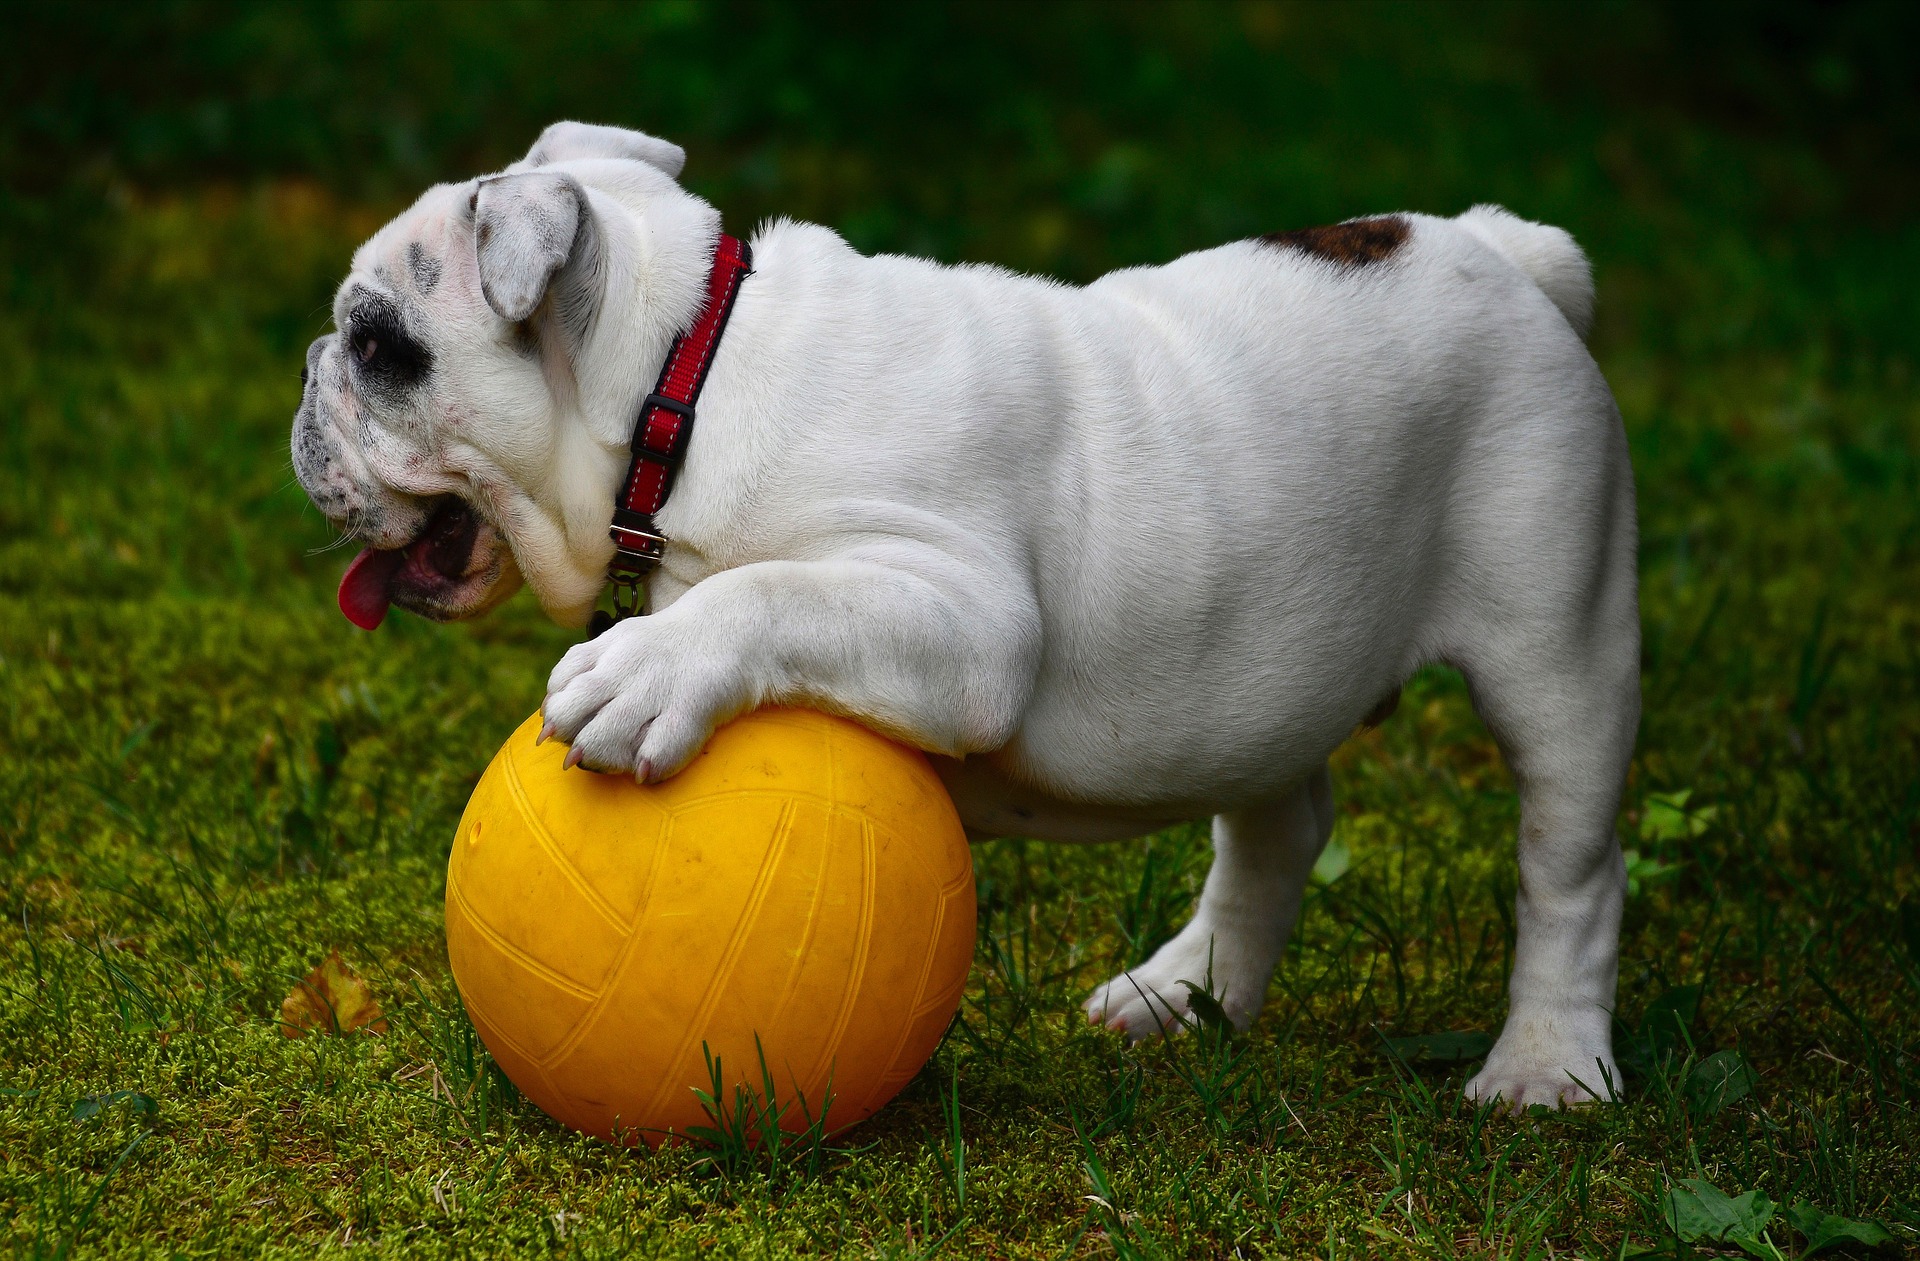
pixel 208 780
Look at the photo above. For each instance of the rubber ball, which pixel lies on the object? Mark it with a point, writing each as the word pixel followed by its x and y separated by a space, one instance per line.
pixel 797 902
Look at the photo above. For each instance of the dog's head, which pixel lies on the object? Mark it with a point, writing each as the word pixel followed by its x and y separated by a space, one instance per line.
pixel 467 419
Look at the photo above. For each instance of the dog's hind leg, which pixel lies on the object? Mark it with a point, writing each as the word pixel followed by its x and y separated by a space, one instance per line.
pixel 1554 670
pixel 1262 856
pixel 1568 742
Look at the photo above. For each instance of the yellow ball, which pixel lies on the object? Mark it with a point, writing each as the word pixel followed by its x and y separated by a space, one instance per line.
pixel 803 879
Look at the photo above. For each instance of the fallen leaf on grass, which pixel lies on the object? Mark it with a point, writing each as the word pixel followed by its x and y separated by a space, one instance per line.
pixel 333 999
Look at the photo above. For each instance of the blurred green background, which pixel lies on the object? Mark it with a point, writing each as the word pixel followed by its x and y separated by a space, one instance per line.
pixel 207 780
pixel 1743 174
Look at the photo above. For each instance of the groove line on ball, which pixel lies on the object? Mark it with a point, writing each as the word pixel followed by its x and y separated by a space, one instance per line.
pixel 493 1032
pixel 927 956
pixel 863 942
pixel 798 968
pixel 519 956
pixel 729 955
pixel 610 982
pixel 539 829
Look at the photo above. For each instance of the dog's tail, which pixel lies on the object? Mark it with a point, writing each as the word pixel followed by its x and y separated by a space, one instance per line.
pixel 1547 254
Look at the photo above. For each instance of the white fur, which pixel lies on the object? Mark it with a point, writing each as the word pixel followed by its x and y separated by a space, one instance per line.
pixel 1546 254
pixel 1120 555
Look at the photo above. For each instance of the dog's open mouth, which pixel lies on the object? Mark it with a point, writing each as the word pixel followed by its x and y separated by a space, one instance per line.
pixel 426 575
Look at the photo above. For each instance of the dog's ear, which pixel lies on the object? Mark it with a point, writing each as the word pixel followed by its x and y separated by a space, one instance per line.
pixel 564 141
pixel 532 233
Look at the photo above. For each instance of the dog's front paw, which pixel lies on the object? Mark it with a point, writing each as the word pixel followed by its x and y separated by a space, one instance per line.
pixel 643 697
pixel 1159 995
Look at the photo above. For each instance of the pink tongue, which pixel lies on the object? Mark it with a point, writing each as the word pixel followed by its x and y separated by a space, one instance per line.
pixel 364 590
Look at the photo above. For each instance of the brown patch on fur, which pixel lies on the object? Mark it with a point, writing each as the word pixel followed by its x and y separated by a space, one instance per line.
pixel 1381 711
pixel 1356 243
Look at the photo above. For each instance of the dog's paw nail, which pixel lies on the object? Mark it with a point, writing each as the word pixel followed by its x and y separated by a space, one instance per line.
pixel 643 773
pixel 573 758
pixel 546 734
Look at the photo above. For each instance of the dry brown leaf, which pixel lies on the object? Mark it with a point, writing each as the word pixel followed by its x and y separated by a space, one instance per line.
pixel 333 999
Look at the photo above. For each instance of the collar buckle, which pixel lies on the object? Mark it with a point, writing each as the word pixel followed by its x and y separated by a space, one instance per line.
pixel 635 549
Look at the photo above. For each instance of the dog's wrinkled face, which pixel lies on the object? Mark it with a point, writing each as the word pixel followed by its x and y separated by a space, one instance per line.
pixel 377 442
pixel 442 423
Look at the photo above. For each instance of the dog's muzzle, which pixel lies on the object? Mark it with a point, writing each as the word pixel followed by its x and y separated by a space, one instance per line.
pixel 419 573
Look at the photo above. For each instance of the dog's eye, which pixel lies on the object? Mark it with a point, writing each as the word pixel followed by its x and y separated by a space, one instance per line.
pixel 377 345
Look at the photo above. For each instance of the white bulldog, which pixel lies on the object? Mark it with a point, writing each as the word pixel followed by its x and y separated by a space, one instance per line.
pixel 1116 555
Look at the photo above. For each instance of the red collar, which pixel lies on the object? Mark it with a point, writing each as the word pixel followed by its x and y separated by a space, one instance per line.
pixel 660 435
